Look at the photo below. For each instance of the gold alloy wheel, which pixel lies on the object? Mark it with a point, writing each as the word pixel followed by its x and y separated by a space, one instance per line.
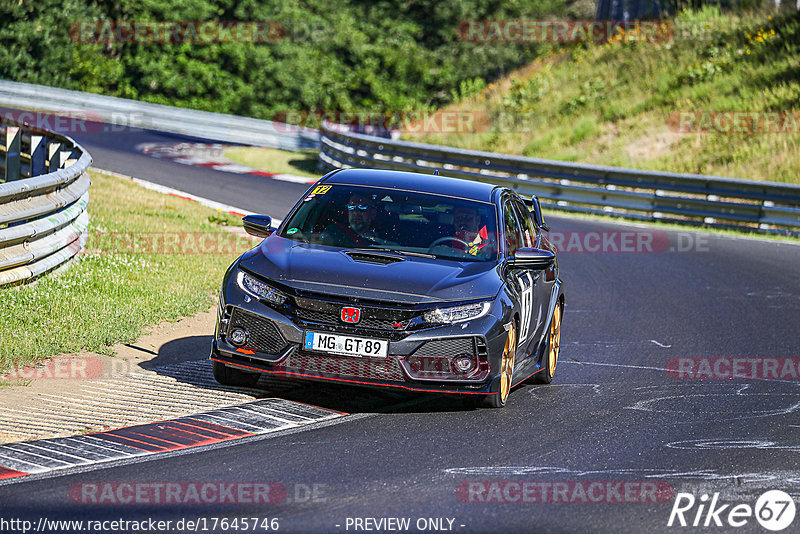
pixel 555 339
pixel 507 364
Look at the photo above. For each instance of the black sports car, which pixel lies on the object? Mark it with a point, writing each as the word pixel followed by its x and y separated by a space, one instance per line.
pixel 399 280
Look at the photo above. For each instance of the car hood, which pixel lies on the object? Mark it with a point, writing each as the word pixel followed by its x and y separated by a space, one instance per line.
pixel 329 270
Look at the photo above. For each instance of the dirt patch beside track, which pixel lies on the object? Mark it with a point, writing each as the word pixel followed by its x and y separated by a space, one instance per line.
pixel 164 374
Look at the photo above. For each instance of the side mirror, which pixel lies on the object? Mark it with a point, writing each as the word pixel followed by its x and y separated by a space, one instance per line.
pixel 257 225
pixel 532 258
pixel 536 209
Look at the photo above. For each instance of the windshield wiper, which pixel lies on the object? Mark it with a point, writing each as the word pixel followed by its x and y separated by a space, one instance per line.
pixel 401 252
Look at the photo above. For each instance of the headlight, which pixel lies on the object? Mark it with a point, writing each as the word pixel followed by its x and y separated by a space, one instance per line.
pixel 259 290
pixel 457 314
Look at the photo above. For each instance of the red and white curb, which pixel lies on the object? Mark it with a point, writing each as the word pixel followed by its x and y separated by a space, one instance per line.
pixel 211 156
pixel 264 416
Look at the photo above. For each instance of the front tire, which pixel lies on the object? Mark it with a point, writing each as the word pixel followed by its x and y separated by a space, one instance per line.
pixel 228 376
pixel 501 388
pixel 545 376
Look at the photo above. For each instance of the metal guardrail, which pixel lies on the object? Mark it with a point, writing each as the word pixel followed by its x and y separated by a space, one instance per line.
pixel 632 193
pixel 124 112
pixel 44 192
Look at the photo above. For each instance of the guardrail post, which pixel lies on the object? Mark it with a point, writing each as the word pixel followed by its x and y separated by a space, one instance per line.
pixel 38 155
pixel 53 157
pixel 13 143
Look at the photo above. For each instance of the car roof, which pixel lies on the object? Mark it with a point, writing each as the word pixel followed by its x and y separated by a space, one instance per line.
pixel 414 181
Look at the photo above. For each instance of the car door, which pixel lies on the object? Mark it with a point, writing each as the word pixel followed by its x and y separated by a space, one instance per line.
pixel 521 281
pixel 543 281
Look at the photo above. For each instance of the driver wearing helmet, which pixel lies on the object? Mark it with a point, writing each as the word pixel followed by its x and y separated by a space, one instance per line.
pixel 467 229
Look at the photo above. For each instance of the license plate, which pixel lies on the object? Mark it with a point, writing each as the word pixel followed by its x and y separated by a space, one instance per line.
pixel 346 345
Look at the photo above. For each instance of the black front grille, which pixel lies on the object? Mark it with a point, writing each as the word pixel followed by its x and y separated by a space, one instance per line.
pixel 435 360
pixel 446 348
pixel 342 366
pixel 371 317
pixel 370 323
pixel 263 335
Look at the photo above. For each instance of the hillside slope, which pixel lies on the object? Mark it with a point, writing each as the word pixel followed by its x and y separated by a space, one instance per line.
pixel 657 105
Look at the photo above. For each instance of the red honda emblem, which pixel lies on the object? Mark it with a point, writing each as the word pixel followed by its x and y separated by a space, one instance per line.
pixel 351 315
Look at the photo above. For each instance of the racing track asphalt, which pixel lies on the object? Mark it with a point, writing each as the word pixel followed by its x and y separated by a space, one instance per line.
pixel 612 414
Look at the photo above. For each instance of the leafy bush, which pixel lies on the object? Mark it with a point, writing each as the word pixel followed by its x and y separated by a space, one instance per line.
pixel 524 95
pixel 590 92
pixel 348 55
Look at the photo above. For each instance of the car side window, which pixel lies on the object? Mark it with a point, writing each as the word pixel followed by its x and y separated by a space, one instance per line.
pixel 513 228
pixel 527 224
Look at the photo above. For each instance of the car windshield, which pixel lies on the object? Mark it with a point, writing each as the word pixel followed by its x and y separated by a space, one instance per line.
pixel 399 221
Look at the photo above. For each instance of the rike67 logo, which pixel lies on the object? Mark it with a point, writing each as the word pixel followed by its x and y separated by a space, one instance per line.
pixel 774 510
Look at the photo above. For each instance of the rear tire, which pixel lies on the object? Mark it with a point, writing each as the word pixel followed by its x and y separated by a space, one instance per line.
pixel 228 376
pixel 502 387
pixel 545 376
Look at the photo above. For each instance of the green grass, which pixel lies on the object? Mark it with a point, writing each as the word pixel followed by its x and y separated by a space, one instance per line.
pixel 120 286
pixel 277 161
pixel 611 104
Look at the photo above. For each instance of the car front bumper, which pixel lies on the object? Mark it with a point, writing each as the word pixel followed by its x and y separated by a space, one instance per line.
pixel 418 360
